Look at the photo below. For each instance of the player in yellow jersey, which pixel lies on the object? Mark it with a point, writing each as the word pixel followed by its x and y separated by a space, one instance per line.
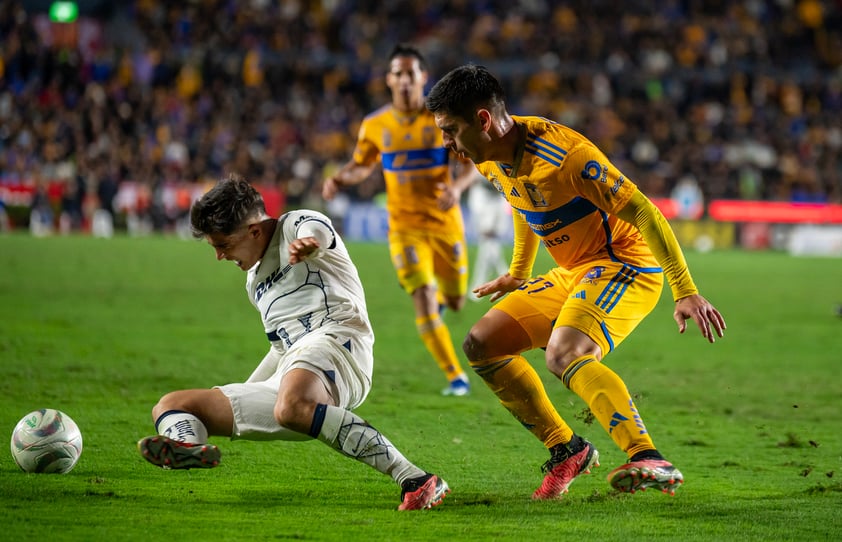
pixel 612 247
pixel 423 186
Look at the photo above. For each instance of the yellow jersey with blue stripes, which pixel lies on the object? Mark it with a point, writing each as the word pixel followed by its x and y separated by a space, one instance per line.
pixel 567 192
pixel 411 150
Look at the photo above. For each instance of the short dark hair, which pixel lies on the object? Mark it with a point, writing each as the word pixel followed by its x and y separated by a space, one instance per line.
pixel 225 207
pixel 464 90
pixel 404 49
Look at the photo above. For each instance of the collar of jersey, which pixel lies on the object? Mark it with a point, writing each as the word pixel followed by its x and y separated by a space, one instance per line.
pixel 511 170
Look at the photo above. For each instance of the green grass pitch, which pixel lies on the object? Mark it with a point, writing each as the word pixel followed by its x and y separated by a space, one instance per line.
pixel 100 329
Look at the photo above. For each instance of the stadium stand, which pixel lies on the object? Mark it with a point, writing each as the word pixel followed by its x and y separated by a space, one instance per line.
pixel 149 101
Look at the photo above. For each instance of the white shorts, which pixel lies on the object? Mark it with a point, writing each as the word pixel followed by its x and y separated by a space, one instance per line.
pixel 339 357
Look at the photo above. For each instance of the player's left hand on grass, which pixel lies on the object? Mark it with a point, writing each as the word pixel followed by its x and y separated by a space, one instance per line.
pixel 702 312
pixel 299 249
pixel 499 287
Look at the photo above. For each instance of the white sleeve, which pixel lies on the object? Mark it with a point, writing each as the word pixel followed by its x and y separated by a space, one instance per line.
pixel 266 368
pixel 318 226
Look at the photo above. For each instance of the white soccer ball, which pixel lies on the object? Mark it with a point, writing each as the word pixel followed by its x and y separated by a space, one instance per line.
pixel 46 440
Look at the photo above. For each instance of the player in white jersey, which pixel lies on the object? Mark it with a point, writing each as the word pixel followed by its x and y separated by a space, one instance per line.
pixel 319 365
pixel 492 220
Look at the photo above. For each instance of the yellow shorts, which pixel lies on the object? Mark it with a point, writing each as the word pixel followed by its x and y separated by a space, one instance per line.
pixel 422 258
pixel 604 299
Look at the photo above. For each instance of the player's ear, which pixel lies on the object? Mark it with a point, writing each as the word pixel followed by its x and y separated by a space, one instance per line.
pixel 484 116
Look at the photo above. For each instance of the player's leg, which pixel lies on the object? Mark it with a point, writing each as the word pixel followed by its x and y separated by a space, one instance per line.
pixel 606 305
pixel 314 398
pixel 520 322
pixel 413 259
pixel 450 267
pixel 183 421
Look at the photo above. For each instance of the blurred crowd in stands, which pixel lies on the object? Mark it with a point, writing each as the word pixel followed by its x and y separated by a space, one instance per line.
pixel 139 105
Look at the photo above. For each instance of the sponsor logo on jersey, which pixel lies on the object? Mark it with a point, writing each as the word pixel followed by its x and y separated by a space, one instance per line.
pixel 556 241
pixel 552 225
pixel 617 184
pixel 273 277
pixel 595 171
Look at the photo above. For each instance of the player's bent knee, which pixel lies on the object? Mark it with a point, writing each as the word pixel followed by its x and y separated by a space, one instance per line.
pixel 294 414
pixel 473 347
pixel 559 361
pixel 174 400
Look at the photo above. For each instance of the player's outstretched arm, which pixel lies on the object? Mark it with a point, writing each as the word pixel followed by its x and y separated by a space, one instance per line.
pixel 350 174
pixel 702 312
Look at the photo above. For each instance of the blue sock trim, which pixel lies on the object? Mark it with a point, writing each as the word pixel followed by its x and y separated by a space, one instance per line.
pixel 318 420
pixel 167 413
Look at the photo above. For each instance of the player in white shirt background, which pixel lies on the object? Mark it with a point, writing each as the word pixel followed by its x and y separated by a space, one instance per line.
pixel 319 365
pixel 491 217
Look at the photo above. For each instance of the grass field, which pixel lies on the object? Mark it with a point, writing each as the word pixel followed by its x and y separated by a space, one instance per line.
pixel 100 329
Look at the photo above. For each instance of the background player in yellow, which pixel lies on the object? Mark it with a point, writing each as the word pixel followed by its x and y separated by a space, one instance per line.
pixel 612 247
pixel 423 185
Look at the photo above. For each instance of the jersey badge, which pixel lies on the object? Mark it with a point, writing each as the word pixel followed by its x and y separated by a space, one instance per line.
pixel 495 183
pixel 535 195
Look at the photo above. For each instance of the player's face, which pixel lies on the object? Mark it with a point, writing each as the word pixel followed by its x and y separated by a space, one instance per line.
pixel 406 80
pixel 241 247
pixel 462 137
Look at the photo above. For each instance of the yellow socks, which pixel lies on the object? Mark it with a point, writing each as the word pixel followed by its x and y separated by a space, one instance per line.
pixel 609 400
pixel 436 338
pixel 521 391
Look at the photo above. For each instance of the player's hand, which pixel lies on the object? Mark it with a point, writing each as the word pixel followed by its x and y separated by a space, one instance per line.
pixel 702 312
pixel 499 287
pixel 330 187
pixel 449 196
pixel 299 249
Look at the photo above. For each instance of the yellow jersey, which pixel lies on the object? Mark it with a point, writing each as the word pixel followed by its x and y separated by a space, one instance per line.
pixel 411 150
pixel 567 192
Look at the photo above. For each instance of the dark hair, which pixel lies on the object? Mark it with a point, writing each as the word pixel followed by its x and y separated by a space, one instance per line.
pixel 225 207
pixel 464 90
pixel 403 49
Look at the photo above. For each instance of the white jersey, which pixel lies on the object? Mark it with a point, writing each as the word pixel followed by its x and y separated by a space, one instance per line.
pixel 321 292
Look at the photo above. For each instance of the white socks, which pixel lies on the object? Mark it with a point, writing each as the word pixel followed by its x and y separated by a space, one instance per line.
pixel 349 434
pixel 182 426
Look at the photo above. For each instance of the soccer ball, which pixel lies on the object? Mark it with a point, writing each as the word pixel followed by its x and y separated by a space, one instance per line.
pixel 46 440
